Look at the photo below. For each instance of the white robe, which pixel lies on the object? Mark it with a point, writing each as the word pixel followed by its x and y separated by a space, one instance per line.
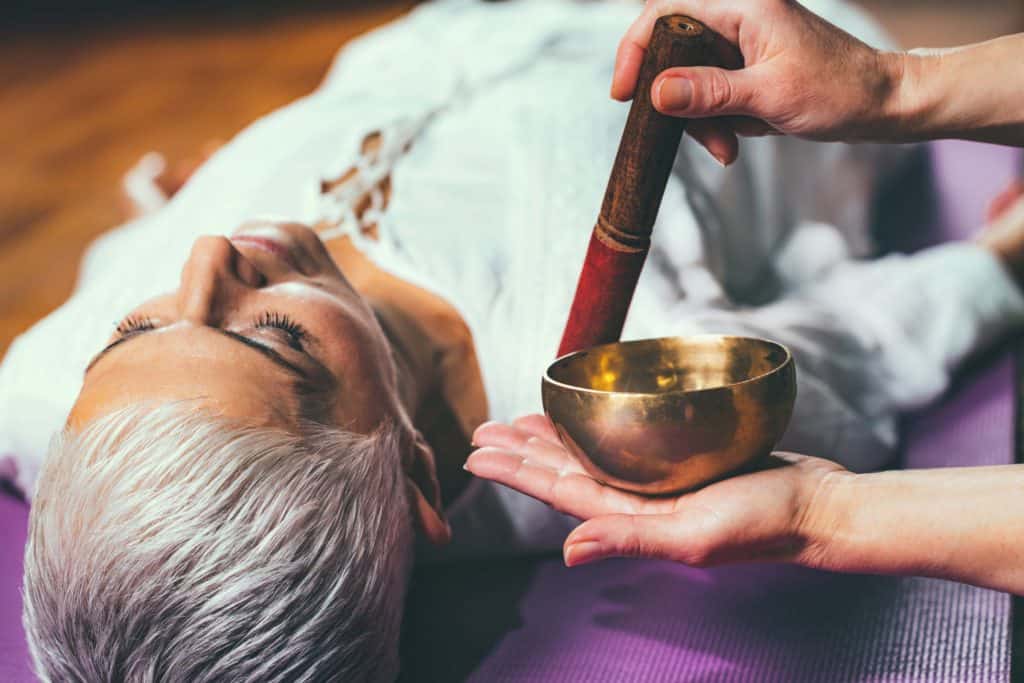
pixel 513 137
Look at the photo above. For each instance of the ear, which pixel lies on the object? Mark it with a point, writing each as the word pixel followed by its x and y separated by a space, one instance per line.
pixel 429 520
pixel 425 494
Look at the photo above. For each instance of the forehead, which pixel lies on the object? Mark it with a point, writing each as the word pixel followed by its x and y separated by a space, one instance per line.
pixel 189 364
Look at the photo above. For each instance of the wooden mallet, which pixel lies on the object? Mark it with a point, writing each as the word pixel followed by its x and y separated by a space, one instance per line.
pixel 622 236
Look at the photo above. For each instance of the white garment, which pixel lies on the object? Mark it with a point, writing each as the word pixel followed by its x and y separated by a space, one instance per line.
pixel 492 209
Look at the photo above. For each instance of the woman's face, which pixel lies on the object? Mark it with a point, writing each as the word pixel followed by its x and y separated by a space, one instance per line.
pixel 263 327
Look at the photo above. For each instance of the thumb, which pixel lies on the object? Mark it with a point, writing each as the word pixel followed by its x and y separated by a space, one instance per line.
pixel 663 537
pixel 703 91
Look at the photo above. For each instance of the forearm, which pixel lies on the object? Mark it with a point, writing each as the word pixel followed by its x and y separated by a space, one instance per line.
pixel 974 92
pixel 961 524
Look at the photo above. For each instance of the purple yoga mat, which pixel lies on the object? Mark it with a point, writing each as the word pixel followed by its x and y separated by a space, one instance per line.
pixel 14 666
pixel 649 621
pixel 646 621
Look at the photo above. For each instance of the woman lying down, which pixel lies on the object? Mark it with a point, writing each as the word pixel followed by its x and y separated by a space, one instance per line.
pixel 249 457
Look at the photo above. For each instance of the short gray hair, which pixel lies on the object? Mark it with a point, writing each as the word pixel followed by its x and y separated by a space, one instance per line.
pixel 166 544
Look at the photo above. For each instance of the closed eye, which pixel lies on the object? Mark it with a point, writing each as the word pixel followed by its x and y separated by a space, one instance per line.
pixel 137 331
pixel 293 332
pixel 133 325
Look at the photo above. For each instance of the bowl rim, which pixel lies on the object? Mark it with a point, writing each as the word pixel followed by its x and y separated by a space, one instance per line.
pixel 547 379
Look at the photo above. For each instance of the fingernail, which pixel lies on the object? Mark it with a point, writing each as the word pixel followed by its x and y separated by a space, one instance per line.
pixel 582 553
pixel 674 94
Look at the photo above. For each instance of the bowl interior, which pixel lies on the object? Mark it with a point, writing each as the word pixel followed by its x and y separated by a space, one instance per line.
pixel 657 366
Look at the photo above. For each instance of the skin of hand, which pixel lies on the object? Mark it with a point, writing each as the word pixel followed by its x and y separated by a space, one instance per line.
pixel 800 76
pixel 1005 201
pixel 1004 234
pixel 797 74
pixel 960 524
pixel 766 515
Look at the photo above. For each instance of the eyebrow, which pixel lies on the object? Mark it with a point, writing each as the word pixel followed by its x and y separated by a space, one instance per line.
pixel 266 351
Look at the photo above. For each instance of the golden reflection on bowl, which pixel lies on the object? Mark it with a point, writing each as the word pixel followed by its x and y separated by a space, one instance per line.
pixel 660 416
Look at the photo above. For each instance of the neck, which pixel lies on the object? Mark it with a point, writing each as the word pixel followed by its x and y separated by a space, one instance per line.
pixel 419 384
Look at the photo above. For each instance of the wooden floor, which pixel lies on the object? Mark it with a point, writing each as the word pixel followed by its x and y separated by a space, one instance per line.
pixel 79 105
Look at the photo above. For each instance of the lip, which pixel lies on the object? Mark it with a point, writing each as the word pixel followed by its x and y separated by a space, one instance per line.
pixel 270 245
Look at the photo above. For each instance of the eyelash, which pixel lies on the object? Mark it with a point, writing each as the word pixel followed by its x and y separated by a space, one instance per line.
pixel 133 325
pixel 281 322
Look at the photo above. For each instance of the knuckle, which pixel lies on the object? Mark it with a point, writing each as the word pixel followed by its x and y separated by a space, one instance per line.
pixel 698 555
pixel 719 92
pixel 663 7
pixel 559 497
pixel 634 544
pixel 631 546
pixel 520 469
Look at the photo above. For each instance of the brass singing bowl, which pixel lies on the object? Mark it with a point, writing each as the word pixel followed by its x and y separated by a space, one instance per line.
pixel 661 416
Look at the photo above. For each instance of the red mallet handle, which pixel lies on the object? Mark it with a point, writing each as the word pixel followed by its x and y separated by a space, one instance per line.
pixel 622 235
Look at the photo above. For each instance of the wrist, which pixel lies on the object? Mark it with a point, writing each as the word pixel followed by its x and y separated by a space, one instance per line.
pixel 825 519
pixel 914 109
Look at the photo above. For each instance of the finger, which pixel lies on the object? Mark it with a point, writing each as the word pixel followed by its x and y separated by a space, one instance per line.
pixel 572 493
pixel 628 60
pixel 630 55
pixel 500 435
pixel 659 537
pixel 720 136
pixel 726 54
pixel 526 444
pixel 1005 201
pixel 544 444
pixel 555 456
pixel 515 437
pixel 569 492
pixel 704 91
pixel 748 127
pixel 539 426
pixel 634 43
pixel 717 137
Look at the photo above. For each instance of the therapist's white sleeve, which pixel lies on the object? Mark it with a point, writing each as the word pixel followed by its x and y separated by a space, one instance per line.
pixel 878 338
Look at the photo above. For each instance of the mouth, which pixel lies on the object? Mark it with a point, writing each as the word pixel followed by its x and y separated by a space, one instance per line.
pixel 270 240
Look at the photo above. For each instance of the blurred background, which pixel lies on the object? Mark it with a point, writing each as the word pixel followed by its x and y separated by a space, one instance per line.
pixel 86 88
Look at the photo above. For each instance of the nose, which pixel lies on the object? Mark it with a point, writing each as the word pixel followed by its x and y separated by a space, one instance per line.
pixel 213 277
